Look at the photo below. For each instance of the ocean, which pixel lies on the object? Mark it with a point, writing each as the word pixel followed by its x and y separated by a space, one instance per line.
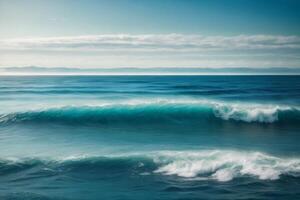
pixel 149 137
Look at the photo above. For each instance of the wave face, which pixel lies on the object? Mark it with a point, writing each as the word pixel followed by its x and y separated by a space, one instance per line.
pixel 157 111
pixel 219 165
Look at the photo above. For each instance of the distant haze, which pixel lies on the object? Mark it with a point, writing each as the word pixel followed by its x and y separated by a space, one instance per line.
pixel 147 71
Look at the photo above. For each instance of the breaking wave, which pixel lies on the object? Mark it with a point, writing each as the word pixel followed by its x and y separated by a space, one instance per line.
pixel 226 165
pixel 219 165
pixel 158 111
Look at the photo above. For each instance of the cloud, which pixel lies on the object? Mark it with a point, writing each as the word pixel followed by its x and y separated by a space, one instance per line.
pixel 160 50
pixel 155 43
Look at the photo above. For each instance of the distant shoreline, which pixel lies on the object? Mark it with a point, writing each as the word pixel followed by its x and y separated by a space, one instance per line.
pixel 151 71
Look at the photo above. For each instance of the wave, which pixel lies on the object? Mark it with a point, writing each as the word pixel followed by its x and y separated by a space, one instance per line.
pixel 158 111
pixel 219 165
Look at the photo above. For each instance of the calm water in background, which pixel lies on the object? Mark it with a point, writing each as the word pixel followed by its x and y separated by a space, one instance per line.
pixel 150 137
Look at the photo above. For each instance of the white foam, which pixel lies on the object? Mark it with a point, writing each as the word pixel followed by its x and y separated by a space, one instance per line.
pixel 248 113
pixel 225 165
pixel 219 165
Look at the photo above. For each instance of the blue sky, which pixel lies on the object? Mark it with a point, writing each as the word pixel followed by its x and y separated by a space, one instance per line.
pixel 152 33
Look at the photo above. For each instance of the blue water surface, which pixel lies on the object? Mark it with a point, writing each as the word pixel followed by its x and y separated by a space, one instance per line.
pixel 149 137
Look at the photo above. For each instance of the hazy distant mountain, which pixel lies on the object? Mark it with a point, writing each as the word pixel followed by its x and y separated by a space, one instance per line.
pixel 153 70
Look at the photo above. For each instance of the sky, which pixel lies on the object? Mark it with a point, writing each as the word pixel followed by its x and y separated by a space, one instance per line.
pixel 150 33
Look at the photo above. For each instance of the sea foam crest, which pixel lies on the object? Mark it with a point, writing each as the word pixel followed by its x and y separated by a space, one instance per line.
pixel 225 165
pixel 250 113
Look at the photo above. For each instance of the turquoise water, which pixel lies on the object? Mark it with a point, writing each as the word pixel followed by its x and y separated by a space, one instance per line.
pixel 150 137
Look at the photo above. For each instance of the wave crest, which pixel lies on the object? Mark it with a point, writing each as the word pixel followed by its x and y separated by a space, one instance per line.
pixel 219 165
pixel 157 111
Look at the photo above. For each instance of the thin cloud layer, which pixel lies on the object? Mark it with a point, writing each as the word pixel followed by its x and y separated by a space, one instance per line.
pixel 164 50
pixel 166 42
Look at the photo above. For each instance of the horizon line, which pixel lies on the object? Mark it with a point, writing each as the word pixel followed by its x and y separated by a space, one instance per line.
pixel 144 71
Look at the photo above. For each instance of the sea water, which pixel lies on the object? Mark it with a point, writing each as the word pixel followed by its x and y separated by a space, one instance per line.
pixel 150 137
